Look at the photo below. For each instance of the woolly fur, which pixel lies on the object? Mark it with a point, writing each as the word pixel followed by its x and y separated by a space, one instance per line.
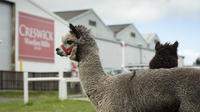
pixel 153 90
pixel 165 57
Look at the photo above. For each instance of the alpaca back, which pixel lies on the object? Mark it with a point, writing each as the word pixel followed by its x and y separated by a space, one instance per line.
pixel 162 90
pixel 152 90
pixel 163 83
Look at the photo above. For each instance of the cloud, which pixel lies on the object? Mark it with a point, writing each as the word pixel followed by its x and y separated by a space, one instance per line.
pixel 190 56
pixel 112 11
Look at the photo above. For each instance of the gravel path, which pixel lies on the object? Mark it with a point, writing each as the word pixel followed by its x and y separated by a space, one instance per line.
pixel 10 99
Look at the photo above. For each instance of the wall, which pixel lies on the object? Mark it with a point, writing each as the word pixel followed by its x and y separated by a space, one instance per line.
pixel 5 36
pixel 147 55
pixel 132 55
pixel 110 54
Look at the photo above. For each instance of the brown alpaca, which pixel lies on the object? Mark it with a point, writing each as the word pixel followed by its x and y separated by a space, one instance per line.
pixel 165 56
pixel 151 90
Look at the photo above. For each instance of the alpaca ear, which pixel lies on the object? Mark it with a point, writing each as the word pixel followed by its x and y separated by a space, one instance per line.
pixel 175 44
pixel 74 31
pixel 157 46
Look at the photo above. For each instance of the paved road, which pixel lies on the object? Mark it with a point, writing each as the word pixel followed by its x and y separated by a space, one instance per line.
pixel 10 99
pixel 85 99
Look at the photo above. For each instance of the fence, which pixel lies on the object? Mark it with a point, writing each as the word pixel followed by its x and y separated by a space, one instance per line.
pixel 62 93
pixel 11 80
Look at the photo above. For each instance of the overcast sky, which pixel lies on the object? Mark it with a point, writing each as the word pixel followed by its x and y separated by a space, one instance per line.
pixel 171 19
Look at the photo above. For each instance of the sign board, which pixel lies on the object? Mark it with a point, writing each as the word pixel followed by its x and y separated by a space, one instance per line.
pixel 36 38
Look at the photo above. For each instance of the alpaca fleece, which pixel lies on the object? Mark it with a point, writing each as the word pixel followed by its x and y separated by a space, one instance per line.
pixel 165 57
pixel 153 90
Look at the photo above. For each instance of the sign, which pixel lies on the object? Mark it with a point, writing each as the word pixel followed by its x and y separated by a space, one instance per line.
pixel 36 38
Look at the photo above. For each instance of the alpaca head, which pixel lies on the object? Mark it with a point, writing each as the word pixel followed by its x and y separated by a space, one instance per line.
pixel 166 49
pixel 74 42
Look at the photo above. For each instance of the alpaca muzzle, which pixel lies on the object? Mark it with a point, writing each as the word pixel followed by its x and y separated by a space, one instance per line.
pixel 68 51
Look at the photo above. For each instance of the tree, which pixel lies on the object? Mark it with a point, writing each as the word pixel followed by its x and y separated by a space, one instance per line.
pixel 197 62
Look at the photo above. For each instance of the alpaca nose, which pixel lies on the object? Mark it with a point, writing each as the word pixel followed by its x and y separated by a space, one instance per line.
pixel 57 49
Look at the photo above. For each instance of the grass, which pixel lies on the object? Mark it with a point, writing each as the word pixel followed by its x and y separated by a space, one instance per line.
pixel 43 102
pixel 47 105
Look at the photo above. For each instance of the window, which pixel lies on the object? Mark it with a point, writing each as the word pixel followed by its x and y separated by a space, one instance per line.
pixel 92 23
pixel 133 34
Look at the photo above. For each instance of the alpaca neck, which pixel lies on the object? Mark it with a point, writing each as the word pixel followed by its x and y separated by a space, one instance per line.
pixel 90 69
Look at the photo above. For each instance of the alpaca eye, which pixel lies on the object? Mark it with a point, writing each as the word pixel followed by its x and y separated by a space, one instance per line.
pixel 70 42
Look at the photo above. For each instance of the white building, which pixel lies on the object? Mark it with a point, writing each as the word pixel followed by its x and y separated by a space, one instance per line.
pixel 139 49
pixel 29 35
pixel 136 51
pixel 151 40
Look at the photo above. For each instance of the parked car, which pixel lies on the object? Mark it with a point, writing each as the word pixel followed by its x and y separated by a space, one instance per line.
pixel 136 67
pixel 113 71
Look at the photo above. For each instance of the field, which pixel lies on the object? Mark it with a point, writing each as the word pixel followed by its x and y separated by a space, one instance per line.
pixel 43 102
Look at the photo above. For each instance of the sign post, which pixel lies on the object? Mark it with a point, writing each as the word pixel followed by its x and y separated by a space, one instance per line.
pixel 21 65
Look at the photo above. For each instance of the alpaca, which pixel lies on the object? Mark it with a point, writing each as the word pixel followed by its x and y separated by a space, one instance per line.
pixel 165 56
pixel 151 90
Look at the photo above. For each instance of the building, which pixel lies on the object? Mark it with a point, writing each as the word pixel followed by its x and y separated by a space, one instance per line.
pixel 151 40
pixel 31 47
pixel 139 49
pixel 136 50
pixel 109 39
pixel 26 46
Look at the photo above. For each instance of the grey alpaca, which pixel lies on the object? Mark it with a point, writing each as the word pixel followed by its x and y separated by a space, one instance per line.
pixel 165 57
pixel 152 90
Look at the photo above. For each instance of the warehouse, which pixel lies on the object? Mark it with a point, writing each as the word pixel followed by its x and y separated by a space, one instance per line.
pixel 30 47
pixel 139 49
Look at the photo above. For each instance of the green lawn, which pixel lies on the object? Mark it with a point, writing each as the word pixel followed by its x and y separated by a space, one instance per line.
pixel 43 102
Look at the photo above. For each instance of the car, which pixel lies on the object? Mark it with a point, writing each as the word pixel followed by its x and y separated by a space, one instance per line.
pixel 113 71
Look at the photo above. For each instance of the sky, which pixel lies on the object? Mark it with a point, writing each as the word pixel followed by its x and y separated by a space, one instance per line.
pixel 171 20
